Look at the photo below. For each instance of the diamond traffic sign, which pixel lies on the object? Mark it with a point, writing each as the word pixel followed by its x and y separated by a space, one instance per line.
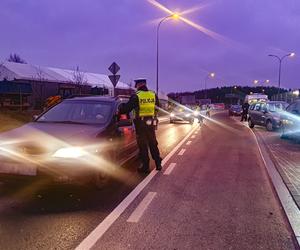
pixel 114 68
pixel 114 79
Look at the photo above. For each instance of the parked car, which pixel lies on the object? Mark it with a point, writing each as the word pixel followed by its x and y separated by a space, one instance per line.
pixel 182 114
pixel 235 110
pixel 82 139
pixel 291 121
pixel 266 114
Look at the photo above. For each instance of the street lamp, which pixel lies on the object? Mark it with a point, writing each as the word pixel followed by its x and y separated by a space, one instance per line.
pixel 173 16
pixel 280 59
pixel 210 75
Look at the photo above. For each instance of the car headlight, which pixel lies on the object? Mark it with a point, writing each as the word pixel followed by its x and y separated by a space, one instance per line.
pixel 187 115
pixel 287 122
pixel 172 115
pixel 71 152
pixel 196 113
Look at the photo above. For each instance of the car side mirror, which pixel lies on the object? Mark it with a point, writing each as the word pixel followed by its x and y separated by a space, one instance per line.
pixel 35 117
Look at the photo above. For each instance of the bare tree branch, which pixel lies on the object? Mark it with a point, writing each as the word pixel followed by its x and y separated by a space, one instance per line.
pixel 13 57
pixel 79 78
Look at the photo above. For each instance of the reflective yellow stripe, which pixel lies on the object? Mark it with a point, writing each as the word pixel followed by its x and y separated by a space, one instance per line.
pixel 146 103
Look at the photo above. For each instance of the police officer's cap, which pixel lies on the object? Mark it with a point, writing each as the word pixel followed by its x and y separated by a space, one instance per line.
pixel 140 80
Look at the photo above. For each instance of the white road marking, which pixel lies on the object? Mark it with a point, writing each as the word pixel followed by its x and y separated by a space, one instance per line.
pixel 189 143
pixel 181 152
pixel 170 168
pixel 193 136
pixel 139 211
pixel 99 231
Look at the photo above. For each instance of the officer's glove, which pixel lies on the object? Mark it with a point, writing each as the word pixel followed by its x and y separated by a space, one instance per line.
pixel 121 108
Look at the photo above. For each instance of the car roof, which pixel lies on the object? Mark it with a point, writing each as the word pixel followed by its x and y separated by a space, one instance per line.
pixel 98 98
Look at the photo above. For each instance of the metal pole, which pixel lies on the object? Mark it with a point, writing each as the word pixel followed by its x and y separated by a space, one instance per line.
pixel 157 50
pixel 279 76
pixel 205 82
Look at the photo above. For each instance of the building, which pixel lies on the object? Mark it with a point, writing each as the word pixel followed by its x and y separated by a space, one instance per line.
pixel 28 86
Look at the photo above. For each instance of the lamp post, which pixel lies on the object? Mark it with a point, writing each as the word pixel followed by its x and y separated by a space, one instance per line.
pixel 174 16
pixel 210 75
pixel 280 59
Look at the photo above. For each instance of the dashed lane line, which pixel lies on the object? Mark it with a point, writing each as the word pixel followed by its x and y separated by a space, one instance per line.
pixel 189 143
pixel 193 136
pixel 141 208
pixel 99 231
pixel 182 151
pixel 170 168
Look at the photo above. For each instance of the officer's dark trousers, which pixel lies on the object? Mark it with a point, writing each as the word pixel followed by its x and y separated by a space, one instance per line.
pixel 146 139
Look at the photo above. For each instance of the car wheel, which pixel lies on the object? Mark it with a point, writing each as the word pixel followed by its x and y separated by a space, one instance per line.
pixel 250 123
pixel 171 121
pixel 191 121
pixel 269 125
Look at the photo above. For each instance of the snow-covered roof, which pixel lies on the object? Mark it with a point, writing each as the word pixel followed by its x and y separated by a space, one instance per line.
pixel 18 71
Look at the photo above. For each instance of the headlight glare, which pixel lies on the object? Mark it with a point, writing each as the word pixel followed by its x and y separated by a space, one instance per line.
pixel 71 152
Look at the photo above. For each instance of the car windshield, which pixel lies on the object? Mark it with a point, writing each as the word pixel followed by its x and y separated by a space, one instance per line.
pixel 236 107
pixel 80 112
pixel 275 107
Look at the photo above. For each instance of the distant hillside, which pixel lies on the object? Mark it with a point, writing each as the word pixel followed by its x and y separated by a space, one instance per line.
pixel 218 94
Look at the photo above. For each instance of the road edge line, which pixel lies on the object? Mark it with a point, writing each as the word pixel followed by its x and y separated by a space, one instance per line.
pixel 99 231
pixel 287 202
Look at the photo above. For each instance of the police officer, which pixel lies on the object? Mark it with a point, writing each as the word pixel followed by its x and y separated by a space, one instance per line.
pixel 245 108
pixel 143 104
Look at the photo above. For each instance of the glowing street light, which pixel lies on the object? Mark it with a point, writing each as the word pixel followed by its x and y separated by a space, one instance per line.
pixel 210 75
pixel 172 16
pixel 255 81
pixel 280 59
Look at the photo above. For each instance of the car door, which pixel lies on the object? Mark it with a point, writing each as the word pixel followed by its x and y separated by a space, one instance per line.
pixel 255 114
pixel 127 145
pixel 263 114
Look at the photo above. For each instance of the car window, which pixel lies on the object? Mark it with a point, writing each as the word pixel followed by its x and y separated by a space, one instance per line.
pixel 252 107
pixel 263 107
pixel 291 107
pixel 85 112
pixel 257 107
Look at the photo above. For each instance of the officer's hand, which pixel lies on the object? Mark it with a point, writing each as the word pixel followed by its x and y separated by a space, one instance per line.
pixel 121 107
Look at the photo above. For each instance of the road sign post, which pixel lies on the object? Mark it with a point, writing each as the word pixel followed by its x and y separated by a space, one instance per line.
pixel 114 78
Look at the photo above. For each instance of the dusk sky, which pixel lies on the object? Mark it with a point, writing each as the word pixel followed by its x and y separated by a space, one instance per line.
pixel 94 33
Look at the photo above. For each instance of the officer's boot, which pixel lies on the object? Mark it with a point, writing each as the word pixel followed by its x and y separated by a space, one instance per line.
pixel 158 165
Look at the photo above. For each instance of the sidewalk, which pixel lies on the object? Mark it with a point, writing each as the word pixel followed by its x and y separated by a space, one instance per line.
pixel 286 157
pixel 214 193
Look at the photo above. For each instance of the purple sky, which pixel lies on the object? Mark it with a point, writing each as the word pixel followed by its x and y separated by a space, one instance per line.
pixel 94 33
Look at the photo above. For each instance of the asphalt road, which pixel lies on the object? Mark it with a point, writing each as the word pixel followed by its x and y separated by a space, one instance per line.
pixel 218 196
pixel 32 217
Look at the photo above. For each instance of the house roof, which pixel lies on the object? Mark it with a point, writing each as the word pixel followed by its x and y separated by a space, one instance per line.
pixel 18 71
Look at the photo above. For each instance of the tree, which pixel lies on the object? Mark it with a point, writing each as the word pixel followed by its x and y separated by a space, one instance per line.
pixel 38 87
pixel 13 57
pixel 79 78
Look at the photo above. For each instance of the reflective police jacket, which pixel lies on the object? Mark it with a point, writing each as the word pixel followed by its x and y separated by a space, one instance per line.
pixel 143 103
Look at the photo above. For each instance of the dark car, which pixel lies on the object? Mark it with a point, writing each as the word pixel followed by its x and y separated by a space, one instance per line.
pixel 291 121
pixel 235 110
pixel 266 114
pixel 78 140
pixel 182 114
